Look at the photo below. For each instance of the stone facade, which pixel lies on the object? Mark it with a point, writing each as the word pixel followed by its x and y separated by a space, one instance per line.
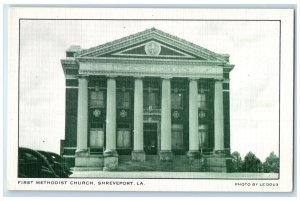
pixel 150 93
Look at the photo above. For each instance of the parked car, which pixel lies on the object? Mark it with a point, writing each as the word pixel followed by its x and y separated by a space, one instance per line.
pixel 31 164
pixel 59 159
pixel 57 163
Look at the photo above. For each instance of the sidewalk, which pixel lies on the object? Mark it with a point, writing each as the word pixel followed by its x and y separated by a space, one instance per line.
pixel 167 175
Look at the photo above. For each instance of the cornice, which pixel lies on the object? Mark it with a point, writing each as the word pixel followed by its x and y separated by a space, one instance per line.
pixel 149 61
pixel 152 74
pixel 68 61
pixel 153 34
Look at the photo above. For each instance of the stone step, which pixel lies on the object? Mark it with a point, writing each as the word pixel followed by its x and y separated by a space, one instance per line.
pixel 180 163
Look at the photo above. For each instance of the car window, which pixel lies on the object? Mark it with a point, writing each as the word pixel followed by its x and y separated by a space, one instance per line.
pixel 30 157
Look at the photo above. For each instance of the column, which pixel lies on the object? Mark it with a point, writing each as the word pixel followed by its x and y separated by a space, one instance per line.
pixel 82 116
pixel 165 153
pixel 193 119
pixel 111 117
pixel 219 117
pixel 138 153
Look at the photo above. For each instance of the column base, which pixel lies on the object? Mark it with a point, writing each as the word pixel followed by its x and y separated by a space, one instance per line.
pixel 109 152
pixel 110 160
pixel 138 155
pixel 193 154
pixel 218 164
pixel 166 155
pixel 221 153
pixel 94 161
pixel 81 152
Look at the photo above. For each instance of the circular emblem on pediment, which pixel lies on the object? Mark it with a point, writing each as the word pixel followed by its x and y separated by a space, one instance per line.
pixel 152 48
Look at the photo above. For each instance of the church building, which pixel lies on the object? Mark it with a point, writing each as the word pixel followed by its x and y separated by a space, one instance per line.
pixel 147 94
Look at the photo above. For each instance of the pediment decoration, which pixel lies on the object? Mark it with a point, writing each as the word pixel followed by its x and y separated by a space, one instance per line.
pixel 152 49
pixel 152 43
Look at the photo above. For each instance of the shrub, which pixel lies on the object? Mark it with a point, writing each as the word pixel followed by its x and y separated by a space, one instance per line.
pixel 251 163
pixel 237 162
pixel 271 164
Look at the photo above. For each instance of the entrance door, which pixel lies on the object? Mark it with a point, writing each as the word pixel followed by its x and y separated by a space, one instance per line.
pixel 150 138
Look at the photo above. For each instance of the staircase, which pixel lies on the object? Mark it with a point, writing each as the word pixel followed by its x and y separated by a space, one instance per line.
pixel 180 163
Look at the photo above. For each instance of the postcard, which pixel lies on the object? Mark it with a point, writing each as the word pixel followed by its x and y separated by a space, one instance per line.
pixel 150 99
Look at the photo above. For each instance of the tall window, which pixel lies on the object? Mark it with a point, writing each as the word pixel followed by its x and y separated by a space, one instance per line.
pixel 202 102
pixel 176 101
pixel 151 100
pixel 123 100
pixel 177 136
pixel 203 136
pixel 96 111
pixel 96 99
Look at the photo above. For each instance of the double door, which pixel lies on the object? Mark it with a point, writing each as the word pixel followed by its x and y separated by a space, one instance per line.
pixel 150 138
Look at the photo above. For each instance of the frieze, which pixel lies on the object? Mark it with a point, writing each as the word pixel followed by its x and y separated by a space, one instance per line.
pixel 151 70
pixel 121 61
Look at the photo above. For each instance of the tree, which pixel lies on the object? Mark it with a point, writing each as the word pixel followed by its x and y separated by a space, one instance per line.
pixel 251 163
pixel 237 162
pixel 272 163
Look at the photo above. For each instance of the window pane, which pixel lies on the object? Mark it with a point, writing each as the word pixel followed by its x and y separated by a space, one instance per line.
pixel 123 99
pixel 202 101
pixel 96 138
pixel 123 139
pixel 152 100
pixel 96 99
pixel 126 100
pixel 177 136
pixel 176 101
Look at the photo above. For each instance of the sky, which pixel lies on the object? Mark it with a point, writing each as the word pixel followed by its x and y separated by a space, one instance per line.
pixel 253 47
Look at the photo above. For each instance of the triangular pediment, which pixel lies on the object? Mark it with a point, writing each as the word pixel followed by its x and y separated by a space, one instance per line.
pixel 151 48
pixel 152 43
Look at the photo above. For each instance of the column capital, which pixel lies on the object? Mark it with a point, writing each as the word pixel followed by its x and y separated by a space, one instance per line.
pixel 226 80
pixel 83 77
pixel 193 78
pixel 111 76
pixel 138 77
pixel 166 77
pixel 219 79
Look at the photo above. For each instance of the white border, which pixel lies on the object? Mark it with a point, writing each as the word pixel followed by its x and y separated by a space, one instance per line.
pixel 286 104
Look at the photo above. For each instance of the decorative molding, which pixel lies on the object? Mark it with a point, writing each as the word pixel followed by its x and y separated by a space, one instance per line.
pixel 72 87
pixel 133 69
pixel 157 35
pixel 68 61
pixel 182 54
pixel 133 74
pixel 113 77
pixel 82 77
pixel 226 80
pixel 194 78
pixel 166 77
pixel 138 77
pixel 219 80
pixel 149 61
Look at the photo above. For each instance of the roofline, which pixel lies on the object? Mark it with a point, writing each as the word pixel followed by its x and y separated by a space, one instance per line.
pixel 224 57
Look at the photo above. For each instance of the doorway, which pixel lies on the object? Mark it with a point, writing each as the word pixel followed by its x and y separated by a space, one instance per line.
pixel 150 138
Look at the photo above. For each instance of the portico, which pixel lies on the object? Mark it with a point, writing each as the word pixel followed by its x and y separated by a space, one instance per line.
pixel 147 94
